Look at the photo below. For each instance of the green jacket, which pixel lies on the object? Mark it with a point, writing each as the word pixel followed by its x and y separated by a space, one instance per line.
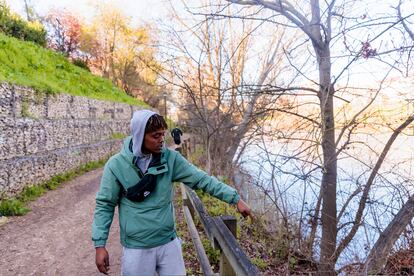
pixel 151 222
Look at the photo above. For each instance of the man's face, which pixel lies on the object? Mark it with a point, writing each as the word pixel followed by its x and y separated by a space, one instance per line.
pixel 153 141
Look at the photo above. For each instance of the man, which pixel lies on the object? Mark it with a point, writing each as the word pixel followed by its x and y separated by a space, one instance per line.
pixel 139 180
pixel 176 134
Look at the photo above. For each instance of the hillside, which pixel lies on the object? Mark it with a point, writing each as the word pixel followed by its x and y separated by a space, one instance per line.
pixel 27 64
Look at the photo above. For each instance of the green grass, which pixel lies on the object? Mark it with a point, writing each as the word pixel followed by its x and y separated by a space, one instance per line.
pixel 117 135
pixel 17 206
pixel 32 192
pixel 260 263
pixel 27 64
pixel 13 207
pixel 212 254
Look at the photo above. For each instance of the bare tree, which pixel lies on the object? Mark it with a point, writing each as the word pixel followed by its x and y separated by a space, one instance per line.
pixel 325 24
pixel 319 34
pixel 211 74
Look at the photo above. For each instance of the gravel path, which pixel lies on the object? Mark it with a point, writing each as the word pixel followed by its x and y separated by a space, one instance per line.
pixel 55 237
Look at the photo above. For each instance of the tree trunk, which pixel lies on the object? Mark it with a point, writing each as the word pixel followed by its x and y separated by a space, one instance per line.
pixel 378 254
pixel 329 174
pixel 27 9
pixel 314 225
pixel 208 153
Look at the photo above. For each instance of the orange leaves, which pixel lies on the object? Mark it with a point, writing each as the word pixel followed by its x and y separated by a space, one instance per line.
pixel 65 32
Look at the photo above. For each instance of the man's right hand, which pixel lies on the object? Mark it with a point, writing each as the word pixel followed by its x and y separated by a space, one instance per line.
pixel 102 260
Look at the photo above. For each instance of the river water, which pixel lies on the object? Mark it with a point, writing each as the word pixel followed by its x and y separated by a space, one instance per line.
pixel 295 185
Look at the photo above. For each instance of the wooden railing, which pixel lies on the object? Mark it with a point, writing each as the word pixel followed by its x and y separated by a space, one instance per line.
pixel 221 231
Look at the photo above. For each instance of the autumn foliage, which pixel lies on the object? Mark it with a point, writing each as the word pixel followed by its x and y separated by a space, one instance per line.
pixel 64 32
pixel 109 46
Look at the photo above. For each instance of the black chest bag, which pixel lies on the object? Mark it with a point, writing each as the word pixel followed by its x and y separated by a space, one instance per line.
pixel 146 184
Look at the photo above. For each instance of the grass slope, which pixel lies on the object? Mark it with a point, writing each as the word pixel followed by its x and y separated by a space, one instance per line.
pixel 27 64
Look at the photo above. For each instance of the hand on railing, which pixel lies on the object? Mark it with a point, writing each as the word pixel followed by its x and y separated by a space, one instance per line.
pixel 244 209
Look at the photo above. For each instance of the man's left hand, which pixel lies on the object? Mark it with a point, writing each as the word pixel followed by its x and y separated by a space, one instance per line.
pixel 243 208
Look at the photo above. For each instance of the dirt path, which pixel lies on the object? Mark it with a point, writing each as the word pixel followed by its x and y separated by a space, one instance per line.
pixel 55 237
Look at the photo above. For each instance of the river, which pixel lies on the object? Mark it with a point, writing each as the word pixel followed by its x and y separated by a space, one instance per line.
pixel 297 184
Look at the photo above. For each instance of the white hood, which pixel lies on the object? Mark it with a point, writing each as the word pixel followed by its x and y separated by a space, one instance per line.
pixel 138 122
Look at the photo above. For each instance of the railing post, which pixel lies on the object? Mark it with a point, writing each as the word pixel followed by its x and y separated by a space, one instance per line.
pixel 189 145
pixel 185 148
pixel 188 209
pixel 187 201
pixel 221 232
pixel 225 266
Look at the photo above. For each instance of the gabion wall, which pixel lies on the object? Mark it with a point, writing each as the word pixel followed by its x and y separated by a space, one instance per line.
pixel 44 135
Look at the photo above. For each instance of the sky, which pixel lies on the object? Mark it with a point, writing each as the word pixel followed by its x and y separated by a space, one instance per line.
pixel 139 10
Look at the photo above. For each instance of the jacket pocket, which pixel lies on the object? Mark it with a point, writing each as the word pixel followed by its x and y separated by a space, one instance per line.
pixel 148 225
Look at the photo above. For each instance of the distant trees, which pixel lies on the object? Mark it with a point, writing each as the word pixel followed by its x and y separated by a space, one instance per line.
pixel 123 53
pixel 64 32
pixel 109 46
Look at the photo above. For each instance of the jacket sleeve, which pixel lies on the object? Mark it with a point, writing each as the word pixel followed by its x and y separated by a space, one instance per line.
pixel 185 172
pixel 106 200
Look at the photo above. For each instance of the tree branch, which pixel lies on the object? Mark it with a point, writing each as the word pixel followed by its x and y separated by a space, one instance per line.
pixel 357 221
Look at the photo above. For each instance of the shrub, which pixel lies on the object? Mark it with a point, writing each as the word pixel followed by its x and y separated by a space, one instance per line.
pixel 13 25
pixel 81 63
pixel 13 207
